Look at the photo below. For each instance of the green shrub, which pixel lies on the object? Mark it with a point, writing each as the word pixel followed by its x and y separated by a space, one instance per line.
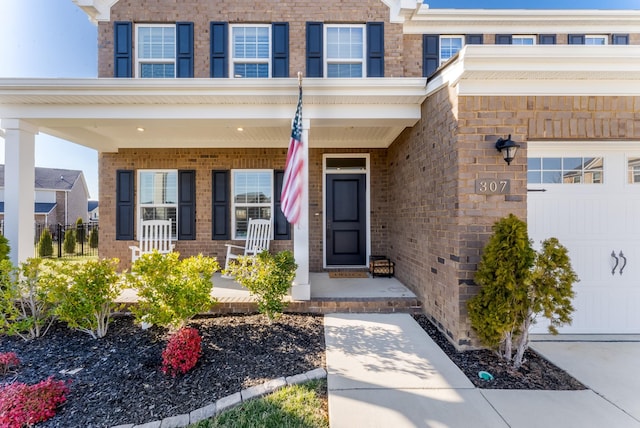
pixel 267 277
pixel 519 284
pixel 86 293
pixel 69 243
pixel 45 245
pixel 80 230
pixel 171 291
pixel 28 299
pixel 93 238
pixel 4 248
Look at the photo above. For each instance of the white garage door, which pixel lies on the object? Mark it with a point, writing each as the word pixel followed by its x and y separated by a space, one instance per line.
pixel 590 200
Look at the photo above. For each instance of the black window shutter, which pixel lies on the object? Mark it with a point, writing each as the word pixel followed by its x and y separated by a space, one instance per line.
pixel 280 49
pixel 620 39
pixel 184 49
pixel 430 54
pixel 122 46
pixel 125 206
pixel 281 225
pixel 314 50
pixel 219 62
pixel 375 49
pixel 473 39
pixel 576 39
pixel 221 205
pixel 546 39
pixel 504 39
pixel 186 205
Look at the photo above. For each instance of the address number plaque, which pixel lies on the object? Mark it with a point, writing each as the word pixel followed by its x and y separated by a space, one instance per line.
pixel 492 186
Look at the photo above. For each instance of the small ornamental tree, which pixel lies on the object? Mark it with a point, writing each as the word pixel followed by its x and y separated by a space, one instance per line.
pixel 27 300
pixel 268 277
pixel 172 291
pixel 518 285
pixel 93 238
pixel 69 243
pixel 45 245
pixel 86 294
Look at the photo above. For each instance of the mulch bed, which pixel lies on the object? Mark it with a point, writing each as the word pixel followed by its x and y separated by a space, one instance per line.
pixel 121 382
pixel 535 373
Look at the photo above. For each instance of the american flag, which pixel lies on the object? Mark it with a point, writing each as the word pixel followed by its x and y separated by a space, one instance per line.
pixel 291 197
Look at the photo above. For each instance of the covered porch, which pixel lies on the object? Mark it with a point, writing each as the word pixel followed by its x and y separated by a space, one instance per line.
pixel 328 295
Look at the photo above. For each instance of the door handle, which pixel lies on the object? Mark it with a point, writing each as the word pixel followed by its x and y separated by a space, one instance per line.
pixel 613 255
pixel 625 261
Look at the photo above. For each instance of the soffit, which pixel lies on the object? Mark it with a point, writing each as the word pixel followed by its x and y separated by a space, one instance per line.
pixel 105 113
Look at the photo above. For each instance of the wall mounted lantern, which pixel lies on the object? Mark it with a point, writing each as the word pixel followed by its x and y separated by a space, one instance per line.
pixel 508 148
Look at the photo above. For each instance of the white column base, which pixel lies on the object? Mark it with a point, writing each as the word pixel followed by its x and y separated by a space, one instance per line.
pixel 301 292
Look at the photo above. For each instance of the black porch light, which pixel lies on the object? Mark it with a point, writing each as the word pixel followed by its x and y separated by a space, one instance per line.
pixel 508 148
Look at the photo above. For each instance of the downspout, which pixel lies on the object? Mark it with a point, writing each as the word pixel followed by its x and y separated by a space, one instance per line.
pixel 66 220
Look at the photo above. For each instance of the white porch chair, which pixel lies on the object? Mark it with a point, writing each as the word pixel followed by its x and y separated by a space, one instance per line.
pixel 154 235
pixel 258 237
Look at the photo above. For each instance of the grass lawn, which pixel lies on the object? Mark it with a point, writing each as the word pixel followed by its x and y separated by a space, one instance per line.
pixel 295 406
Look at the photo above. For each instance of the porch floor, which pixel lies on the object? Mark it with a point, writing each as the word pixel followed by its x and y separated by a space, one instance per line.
pixel 328 295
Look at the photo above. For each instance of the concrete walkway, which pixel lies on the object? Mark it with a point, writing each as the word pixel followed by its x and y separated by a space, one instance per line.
pixel 383 370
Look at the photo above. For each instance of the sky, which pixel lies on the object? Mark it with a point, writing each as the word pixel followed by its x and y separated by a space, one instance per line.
pixel 54 38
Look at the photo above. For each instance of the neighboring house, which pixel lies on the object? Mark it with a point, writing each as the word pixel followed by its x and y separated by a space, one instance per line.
pixel 94 212
pixel 403 106
pixel 60 196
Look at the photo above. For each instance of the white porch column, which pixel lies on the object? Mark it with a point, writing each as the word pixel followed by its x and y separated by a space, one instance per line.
pixel 301 289
pixel 19 193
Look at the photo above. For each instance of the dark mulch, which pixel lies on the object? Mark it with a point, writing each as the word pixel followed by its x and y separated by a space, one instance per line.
pixel 121 382
pixel 535 373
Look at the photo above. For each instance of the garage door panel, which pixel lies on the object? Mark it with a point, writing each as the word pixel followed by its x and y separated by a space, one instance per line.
pixel 593 221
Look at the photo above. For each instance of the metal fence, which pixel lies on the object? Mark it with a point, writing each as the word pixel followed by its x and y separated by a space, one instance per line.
pixel 84 245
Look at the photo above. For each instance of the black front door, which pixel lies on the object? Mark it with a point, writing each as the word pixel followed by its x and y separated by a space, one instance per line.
pixel 346 219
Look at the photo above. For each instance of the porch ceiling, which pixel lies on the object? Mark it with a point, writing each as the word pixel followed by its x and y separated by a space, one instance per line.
pixel 105 114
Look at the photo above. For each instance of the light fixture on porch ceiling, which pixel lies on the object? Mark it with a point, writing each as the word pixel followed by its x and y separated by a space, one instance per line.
pixel 140 129
pixel 508 148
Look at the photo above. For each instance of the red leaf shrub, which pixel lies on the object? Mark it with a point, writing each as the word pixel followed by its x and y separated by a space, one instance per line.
pixel 8 361
pixel 25 405
pixel 182 351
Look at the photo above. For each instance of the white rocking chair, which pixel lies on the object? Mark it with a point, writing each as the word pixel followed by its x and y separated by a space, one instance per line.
pixel 258 237
pixel 154 235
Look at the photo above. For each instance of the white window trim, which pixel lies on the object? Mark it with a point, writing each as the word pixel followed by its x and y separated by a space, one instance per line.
pixel 448 36
pixel 234 61
pixel 233 201
pixel 138 60
pixel 596 36
pixel 524 36
pixel 326 61
pixel 141 205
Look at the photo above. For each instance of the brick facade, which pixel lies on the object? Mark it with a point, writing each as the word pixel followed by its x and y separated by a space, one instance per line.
pixel 438 225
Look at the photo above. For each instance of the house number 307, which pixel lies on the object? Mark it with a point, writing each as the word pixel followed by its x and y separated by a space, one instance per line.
pixel 490 186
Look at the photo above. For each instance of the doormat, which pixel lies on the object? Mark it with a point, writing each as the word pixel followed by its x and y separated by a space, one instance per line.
pixel 348 274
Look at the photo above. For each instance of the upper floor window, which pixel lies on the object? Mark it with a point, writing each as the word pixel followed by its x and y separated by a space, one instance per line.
pixel 251 51
pixel 344 47
pixel 595 39
pixel 155 50
pixel 565 170
pixel 523 40
pixel 252 198
pixel 158 196
pixel 449 46
pixel 633 164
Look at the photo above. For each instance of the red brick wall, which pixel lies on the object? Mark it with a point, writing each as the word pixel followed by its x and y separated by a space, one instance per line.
pixel 203 161
pixel 297 13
